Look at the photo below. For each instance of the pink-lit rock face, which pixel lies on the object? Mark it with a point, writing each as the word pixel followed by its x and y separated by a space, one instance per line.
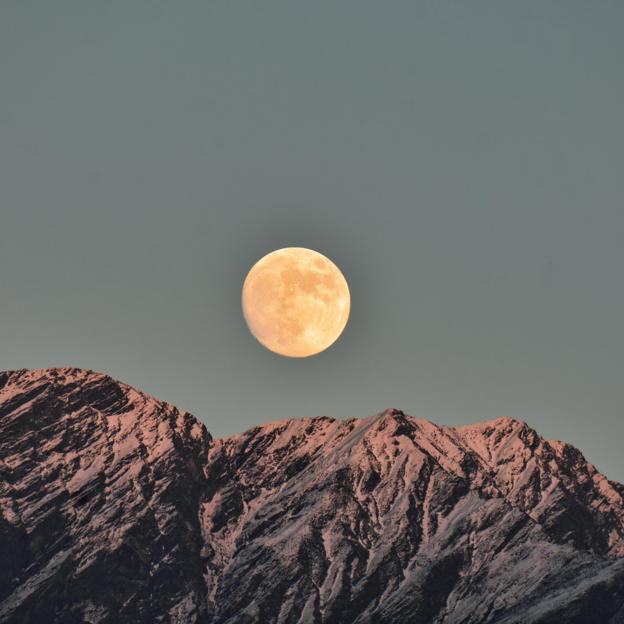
pixel 117 507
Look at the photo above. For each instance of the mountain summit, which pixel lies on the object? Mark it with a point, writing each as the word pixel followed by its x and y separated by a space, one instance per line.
pixel 116 507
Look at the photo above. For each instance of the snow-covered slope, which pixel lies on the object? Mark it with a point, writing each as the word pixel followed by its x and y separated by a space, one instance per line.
pixel 117 507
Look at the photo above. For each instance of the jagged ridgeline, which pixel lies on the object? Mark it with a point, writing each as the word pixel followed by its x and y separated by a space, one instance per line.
pixel 119 508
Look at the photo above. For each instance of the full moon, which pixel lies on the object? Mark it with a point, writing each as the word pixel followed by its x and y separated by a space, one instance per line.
pixel 296 302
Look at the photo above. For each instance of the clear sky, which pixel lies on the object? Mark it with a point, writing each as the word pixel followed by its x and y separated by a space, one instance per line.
pixel 462 162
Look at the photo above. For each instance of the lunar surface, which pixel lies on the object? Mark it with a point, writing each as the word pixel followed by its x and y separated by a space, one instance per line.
pixel 296 302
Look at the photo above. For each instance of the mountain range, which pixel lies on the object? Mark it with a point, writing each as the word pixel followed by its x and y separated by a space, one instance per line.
pixel 117 507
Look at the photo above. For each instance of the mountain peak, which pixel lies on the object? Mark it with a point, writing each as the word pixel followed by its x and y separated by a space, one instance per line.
pixel 501 424
pixel 63 373
pixel 119 507
pixel 391 412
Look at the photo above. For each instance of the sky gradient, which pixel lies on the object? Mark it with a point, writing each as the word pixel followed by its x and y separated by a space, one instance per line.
pixel 462 163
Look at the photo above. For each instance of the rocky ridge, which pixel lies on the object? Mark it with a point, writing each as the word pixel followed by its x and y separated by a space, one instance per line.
pixel 117 507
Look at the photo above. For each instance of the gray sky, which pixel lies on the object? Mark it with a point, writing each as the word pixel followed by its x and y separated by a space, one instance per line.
pixel 462 162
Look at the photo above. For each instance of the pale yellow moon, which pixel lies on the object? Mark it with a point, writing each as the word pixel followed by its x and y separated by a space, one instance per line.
pixel 296 301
